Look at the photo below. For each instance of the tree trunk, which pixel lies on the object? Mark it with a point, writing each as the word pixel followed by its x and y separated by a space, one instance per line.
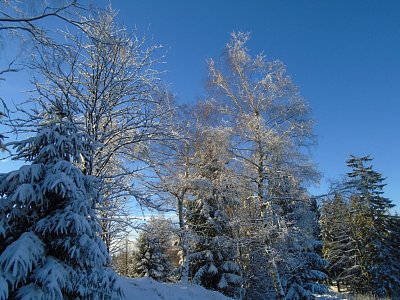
pixel 183 241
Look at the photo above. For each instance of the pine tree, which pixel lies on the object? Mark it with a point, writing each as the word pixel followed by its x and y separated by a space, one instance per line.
pixel 373 229
pixel 303 267
pixel 256 280
pixel 294 241
pixel 49 234
pixel 212 259
pixel 339 246
pixel 394 257
pixel 151 258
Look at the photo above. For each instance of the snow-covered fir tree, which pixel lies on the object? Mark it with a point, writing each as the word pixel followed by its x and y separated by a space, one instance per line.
pixel 151 258
pixel 339 246
pixel 211 262
pixel 50 245
pixel 253 261
pixel 373 230
pixel 393 244
pixel 292 240
pixel 303 266
pixel 213 256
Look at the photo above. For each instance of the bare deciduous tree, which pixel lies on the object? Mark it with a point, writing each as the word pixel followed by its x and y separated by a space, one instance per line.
pixel 26 20
pixel 106 80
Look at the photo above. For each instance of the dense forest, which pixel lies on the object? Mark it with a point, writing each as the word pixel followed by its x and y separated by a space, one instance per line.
pixel 226 177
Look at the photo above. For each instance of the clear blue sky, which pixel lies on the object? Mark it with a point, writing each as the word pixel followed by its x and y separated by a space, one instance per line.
pixel 344 56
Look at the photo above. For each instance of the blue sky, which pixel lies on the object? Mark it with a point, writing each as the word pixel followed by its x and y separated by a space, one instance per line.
pixel 343 55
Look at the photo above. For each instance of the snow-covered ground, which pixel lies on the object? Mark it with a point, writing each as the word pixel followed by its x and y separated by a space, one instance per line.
pixel 149 289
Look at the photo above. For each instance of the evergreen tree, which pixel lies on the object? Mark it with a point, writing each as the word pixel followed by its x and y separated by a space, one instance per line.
pixel 393 242
pixel 151 258
pixel 212 259
pixel 296 247
pixel 211 262
pixel 256 280
pixel 339 246
pixel 304 265
pixel 50 245
pixel 373 229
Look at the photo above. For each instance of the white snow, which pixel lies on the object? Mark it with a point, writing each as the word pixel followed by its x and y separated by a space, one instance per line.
pixel 149 289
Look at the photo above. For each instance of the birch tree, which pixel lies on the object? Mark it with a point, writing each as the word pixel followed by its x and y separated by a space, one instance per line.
pixel 271 129
pixel 2 115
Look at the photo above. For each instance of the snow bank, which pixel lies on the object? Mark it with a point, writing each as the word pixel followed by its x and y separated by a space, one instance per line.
pixel 149 289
